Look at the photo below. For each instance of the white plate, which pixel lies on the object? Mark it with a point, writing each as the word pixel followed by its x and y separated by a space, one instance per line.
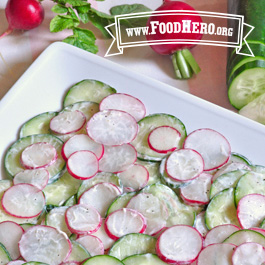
pixel 43 85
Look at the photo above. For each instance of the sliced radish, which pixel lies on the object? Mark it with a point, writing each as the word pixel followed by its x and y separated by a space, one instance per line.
pixel 100 196
pixel 213 146
pixel 124 102
pixel 251 210
pixel 68 122
pixel 10 234
pixel 16 262
pixel 179 244
pixel 219 233
pixel 117 158
pixel 104 237
pixel 37 177
pixel 249 254
pixel 38 155
pixel 44 244
pixel 81 142
pixel 259 230
pixel 197 191
pixel 184 165
pixel 112 127
pixel 23 201
pixel 153 209
pixel 134 177
pixel 82 219
pixel 218 254
pixel 164 139
pixel 92 244
pixel 82 165
pixel 124 221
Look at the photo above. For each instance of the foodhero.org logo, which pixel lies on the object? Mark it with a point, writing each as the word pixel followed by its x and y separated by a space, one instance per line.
pixel 186 26
pixel 213 30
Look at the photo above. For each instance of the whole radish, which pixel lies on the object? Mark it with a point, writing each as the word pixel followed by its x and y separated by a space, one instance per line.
pixel 183 61
pixel 23 15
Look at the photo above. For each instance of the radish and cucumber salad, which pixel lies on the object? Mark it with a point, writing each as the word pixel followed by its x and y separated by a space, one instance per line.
pixel 102 181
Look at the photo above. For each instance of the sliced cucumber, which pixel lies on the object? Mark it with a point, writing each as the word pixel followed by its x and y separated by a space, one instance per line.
pixel 78 253
pixel 12 157
pixel 39 124
pixel 238 158
pixel 245 235
pixel 250 183
pixel 87 90
pixel 221 210
pixel 4 185
pixel 100 177
pixel 146 125
pixel 132 244
pixel 4 255
pixel 143 259
pixel 71 201
pixel 120 202
pixel 102 260
pixel 60 191
pixel 247 83
pixel 255 110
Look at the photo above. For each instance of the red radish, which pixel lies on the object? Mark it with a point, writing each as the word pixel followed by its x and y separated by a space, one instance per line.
pixel 183 60
pixel 92 244
pixel 23 15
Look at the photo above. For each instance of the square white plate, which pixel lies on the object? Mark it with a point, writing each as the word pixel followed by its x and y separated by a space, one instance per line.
pixel 43 86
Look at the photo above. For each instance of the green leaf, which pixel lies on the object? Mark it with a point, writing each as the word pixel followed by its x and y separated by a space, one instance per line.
pixel 72 13
pixel 85 35
pixel 130 9
pixel 82 13
pixel 61 22
pixel 60 9
pixel 84 18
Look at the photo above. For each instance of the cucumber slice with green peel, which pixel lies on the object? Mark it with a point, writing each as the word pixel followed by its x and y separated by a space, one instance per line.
pixel 39 124
pixel 133 244
pixel 238 158
pixel 146 125
pixel 225 181
pixel 120 202
pixel 26 226
pixel 221 210
pixel 60 191
pixel 4 255
pixel 4 185
pixel 78 253
pixel 103 260
pixel 144 259
pixel 99 178
pixel 250 183
pixel 153 169
pixel 262 225
pixel 71 201
pixel 255 110
pixel 34 263
pixel 247 83
pixel 88 90
pixel 12 157
pixel 245 235
pixel 56 218
pixel 88 108
pixel 258 169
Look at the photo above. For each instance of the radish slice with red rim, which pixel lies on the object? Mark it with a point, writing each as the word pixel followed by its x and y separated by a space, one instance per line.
pixel 197 192
pixel 251 210
pixel 124 221
pixel 82 165
pixel 134 178
pixel 16 262
pixel 112 127
pixel 219 233
pixel 184 165
pixel 218 254
pixel 45 244
pixel 249 253
pixel 38 155
pixel 92 244
pixel 23 201
pixel 67 122
pixel 124 102
pixel 82 219
pixel 81 142
pixel 180 244
pixel 100 196
pixel 117 158
pixel 152 208
pixel 213 147
pixel 37 177
pixel 164 139
pixel 10 234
